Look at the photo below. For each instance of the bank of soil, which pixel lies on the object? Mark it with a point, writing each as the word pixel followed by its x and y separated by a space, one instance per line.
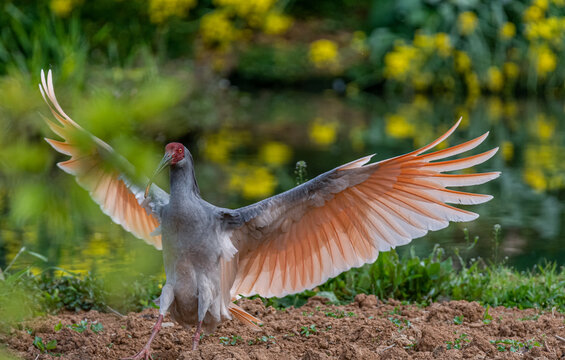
pixel 365 329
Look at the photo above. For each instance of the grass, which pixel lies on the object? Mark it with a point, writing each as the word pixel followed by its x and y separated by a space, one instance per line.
pixel 412 279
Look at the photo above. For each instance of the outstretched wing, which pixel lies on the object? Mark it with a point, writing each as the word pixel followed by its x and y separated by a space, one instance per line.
pixel 100 170
pixel 345 217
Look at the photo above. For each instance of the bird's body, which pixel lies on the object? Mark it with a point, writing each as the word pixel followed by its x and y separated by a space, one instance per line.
pixel 194 238
pixel 282 245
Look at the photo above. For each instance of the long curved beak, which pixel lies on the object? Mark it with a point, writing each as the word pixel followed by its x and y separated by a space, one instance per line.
pixel 165 161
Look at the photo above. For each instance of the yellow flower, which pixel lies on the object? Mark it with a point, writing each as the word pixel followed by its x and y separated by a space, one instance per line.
pixel 462 61
pixel 217 29
pixel 251 181
pixel 323 133
pixel 323 53
pixel 259 183
pixel 275 153
pixel 161 10
pixel 443 44
pixel 546 61
pixel 533 13
pixel 495 79
pixel 507 31
pixel 535 178
pixel 467 22
pixel 542 4
pixel 545 128
pixel 423 41
pixel 398 127
pixel 276 24
pixel 62 8
pixel 507 149
pixel 511 70
pixel 398 61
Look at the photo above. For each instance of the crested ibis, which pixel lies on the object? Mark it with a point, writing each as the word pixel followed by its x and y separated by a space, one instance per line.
pixel 282 245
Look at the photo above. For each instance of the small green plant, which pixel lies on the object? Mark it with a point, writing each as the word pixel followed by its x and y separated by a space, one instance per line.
pixel 44 347
pixel 308 330
pixel 231 341
pixel 269 340
pixel 487 318
pixel 58 326
pixel 340 314
pixel 305 313
pixel 97 327
pixel 458 320
pixel 395 311
pixel 514 345
pixel 458 343
pixel 83 325
pixel 401 324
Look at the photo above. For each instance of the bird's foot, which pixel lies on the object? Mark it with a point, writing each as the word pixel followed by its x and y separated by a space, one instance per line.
pixel 144 354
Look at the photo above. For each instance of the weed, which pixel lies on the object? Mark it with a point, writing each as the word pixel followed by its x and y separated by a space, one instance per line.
pixel 308 330
pixel 340 314
pixel 231 341
pixel 83 325
pixel 304 313
pixel 487 318
pixel 269 340
pixel 58 326
pixel 401 324
pixel 458 343
pixel 458 320
pixel 514 345
pixel 44 347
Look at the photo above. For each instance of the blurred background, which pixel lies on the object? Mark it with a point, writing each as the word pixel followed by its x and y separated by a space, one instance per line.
pixel 253 86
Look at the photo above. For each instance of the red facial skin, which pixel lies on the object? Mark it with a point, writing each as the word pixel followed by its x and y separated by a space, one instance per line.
pixel 176 150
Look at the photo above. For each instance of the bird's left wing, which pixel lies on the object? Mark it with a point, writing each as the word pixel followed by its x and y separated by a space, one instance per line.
pixel 101 171
pixel 345 217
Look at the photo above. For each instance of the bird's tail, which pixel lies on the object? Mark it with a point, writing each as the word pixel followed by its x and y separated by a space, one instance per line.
pixel 244 317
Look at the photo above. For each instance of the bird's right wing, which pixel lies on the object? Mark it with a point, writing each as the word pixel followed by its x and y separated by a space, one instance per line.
pixel 100 170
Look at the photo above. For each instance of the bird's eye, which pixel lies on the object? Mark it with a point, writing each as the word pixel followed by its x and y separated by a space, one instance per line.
pixel 179 150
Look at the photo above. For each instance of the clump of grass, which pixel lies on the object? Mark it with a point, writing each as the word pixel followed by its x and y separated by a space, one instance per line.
pixel 514 345
pixel 458 343
pixel 308 330
pixel 230 341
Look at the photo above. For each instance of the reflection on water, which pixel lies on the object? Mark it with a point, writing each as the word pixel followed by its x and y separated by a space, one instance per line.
pixel 252 154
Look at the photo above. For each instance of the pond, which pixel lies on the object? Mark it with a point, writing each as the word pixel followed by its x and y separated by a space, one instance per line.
pixel 252 153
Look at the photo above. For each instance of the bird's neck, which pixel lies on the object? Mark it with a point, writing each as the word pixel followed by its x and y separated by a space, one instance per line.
pixel 183 183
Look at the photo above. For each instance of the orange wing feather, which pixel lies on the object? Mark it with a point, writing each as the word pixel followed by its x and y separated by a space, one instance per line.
pixel 395 201
pixel 115 194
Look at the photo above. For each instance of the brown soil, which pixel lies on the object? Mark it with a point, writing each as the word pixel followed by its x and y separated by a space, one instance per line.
pixel 365 329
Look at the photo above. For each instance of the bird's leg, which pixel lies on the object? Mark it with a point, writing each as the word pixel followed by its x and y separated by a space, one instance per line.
pixel 145 353
pixel 165 301
pixel 196 337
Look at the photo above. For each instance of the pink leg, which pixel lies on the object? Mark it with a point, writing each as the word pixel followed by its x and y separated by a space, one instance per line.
pixel 145 353
pixel 196 337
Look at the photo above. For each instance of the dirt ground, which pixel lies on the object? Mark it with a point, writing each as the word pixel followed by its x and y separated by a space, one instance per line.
pixel 365 329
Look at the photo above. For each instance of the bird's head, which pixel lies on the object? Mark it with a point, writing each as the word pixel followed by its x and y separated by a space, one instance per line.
pixel 175 153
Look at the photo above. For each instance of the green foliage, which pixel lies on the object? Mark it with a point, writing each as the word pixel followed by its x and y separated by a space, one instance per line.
pixel 44 347
pixel 458 343
pixel 514 345
pixel 401 324
pixel 231 341
pixel 458 320
pixel 308 330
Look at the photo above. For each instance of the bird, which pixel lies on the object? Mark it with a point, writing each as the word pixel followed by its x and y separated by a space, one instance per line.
pixel 282 245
